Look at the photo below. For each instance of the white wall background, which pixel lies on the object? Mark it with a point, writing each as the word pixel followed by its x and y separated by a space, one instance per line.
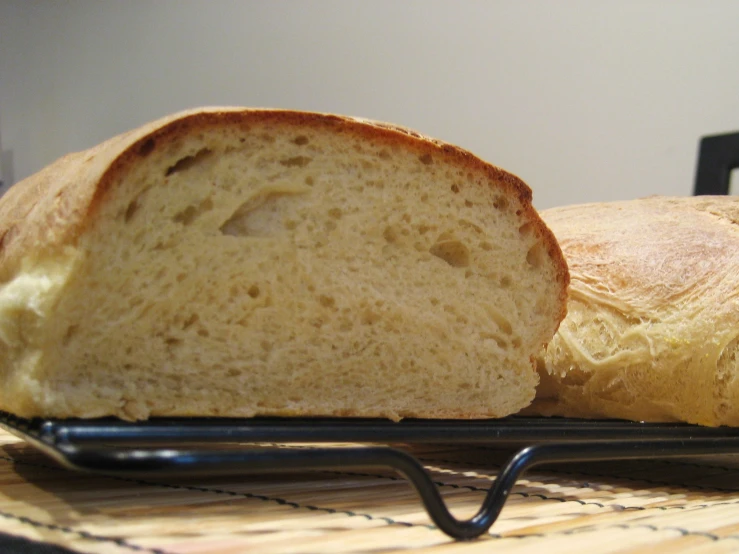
pixel 586 100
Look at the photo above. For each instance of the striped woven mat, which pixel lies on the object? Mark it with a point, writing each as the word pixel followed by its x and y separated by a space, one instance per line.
pixel 626 507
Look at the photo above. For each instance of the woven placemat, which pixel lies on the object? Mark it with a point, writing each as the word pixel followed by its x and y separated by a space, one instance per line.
pixel 626 507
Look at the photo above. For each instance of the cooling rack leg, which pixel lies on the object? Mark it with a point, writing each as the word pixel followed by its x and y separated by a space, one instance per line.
pixel 530 456
pixel 145 463
pixel 158 462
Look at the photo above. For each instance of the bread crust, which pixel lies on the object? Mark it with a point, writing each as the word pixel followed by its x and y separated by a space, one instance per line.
pixel 49 209
pixel 651 332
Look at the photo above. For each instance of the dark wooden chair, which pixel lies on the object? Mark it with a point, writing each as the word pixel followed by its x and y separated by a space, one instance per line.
pixel 717 156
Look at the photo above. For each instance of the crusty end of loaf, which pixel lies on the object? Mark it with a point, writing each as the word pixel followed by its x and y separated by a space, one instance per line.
pixel 651 331
pixel 235 262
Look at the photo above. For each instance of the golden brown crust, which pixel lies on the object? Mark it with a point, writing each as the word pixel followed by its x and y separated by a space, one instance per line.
pixel 51 207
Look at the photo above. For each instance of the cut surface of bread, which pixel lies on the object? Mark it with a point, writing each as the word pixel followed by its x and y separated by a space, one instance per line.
pixel 241 262
pixel 652 329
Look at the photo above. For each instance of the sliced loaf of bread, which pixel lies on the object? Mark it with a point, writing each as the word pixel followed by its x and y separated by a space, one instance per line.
pixel 235 262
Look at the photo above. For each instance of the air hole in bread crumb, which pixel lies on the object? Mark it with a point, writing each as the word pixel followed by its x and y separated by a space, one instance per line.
pixel 335 213
pixel 500 203
pixel 253 291
pixel 535 255
pixel 502 323
pixel 190 321
pixel 191 213
pixel 486 246
pixel 498 340
pixel 505 282
pixel 384 154
pixel 188 161
pixel 370 317
pixel 426 159
pixel 260 216
pixel 526 229
pixel 390 235
pixel 71 332
pixel 468 203
pixel 455 188
pixel 468 224
pixel 453 252
pixel 171 341
pixel 130 211
pixel 301 140
pixel 296 161
pixel 434 301
pixel 317 322
pixel 326 301
pixel 164 245
pixel 310 181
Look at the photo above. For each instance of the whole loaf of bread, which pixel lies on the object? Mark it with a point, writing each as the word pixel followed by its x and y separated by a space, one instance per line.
pixel 235 262
pixel 652 330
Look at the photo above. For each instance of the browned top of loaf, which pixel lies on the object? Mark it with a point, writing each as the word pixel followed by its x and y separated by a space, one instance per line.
pixel 49 209
pixel 650 254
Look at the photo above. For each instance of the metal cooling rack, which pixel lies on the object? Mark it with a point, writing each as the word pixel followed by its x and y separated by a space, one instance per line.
pixel 194 447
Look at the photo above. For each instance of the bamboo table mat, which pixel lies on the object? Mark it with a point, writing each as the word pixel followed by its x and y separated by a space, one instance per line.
pixel 626 507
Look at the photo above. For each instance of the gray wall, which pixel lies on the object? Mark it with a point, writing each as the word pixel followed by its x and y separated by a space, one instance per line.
pixel 586 100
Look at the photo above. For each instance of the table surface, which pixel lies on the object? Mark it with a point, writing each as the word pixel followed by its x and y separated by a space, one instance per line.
pixel 671 506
